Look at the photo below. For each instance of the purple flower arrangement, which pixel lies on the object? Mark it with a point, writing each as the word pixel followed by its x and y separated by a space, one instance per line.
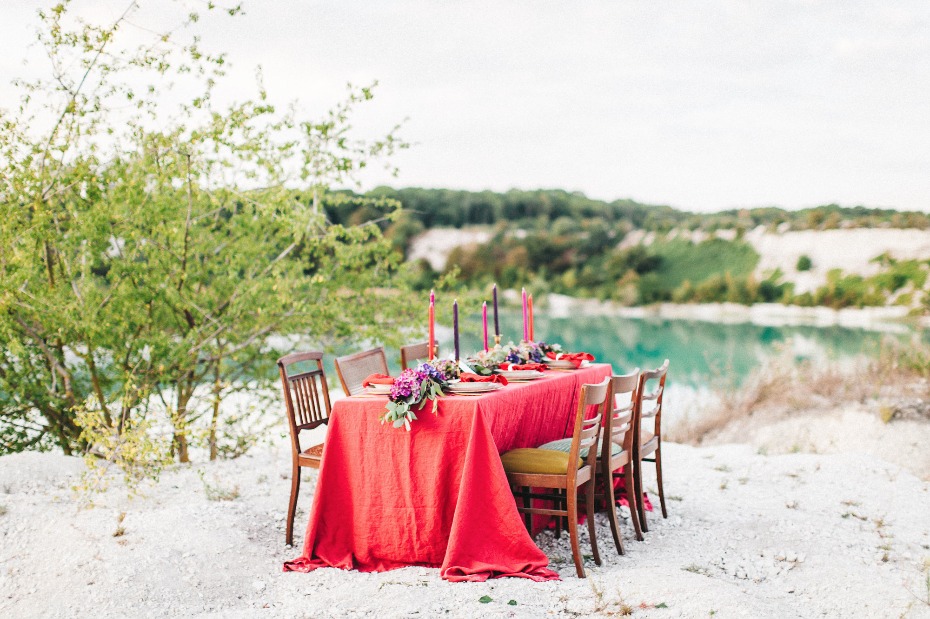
pixel 410 389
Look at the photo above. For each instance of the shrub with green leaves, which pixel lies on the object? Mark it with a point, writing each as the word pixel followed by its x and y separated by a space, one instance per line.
pixel 804 263
pixel 149 249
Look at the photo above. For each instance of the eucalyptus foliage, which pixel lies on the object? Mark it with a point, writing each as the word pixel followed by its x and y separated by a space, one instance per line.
pixel 150 248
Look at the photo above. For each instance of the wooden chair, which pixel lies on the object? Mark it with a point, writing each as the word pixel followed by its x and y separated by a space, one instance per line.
pixel 560 471
pixel 648 442
pixel 618 433
pixel 354 369
pixel 303 392
pixel 415 352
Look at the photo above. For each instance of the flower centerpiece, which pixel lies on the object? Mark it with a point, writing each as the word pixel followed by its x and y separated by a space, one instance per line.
pixel 484 362
pixel 524 352
pixel 550 348
pixel 448 368
pixel 410 390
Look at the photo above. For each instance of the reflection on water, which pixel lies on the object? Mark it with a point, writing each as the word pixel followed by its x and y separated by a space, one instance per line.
pixel 703 355
pixel 700 352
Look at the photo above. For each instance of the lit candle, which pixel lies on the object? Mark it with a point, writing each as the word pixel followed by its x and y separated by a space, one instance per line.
pixel 432 329
pixel 455 327
pixel 532 334
pixel 484 323
pixel 526 324
pixel 497 324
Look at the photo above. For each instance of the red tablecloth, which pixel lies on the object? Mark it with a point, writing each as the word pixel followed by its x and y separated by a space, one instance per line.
pixel 436 496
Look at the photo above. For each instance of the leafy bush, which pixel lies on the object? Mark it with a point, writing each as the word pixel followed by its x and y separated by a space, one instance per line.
pixel 804 263
pixel 149 251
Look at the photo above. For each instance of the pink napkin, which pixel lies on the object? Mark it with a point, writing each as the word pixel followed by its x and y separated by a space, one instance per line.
pixel 468 377
pixel 378 379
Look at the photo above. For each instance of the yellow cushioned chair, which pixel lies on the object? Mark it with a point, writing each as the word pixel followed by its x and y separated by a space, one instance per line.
pixel 541 461
pixel 550 469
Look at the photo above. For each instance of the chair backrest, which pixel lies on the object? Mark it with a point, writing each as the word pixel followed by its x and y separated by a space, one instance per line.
pixel 618 423
pixel 587 432
pixel 414 352
pixel 306 394
pixel 650 402
pixel 354 369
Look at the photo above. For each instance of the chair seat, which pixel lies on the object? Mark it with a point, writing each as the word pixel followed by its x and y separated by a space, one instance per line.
pixel 565 444
pixel 648 443
pixel 537 461
pixel 311 456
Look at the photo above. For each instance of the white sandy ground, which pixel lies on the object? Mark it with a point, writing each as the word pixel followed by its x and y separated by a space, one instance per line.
pixel 749 535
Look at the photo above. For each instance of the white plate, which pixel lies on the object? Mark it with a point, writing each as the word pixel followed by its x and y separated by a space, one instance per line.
pixel 519 375
pixel 564 365
pixel 378 389
pixel 464 388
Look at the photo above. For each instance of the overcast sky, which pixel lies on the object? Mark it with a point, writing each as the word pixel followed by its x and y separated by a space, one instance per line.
pixel 701 104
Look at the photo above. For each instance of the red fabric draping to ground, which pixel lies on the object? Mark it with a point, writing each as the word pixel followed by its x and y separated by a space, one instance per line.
pixel 436 496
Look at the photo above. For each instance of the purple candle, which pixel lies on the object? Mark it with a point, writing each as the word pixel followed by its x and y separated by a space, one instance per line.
pixel 455 327
pixel 497 324
pixel 526 326
pixel 484 323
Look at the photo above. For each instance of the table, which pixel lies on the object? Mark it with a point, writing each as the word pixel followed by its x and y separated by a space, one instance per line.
pixel 436 496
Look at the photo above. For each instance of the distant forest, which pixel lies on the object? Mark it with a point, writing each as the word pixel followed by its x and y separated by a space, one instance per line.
pixel 544 207
pixel 568 243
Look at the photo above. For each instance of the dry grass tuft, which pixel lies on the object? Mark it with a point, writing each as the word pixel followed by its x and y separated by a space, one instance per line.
pixel 120 530
pixel 899 378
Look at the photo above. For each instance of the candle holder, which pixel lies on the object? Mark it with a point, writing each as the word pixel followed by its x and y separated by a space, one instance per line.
pixel 435 350
pixel 497 340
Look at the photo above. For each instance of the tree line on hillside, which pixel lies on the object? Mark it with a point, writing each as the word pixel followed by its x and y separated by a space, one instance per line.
pixel 563 210
pixel 568 243
pixel 713 271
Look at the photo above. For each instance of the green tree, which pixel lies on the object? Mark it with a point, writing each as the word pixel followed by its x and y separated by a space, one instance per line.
pixel 149 251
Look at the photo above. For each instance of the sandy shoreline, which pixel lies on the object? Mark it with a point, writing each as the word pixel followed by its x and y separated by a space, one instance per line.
pixel 751 533
pixel 892 319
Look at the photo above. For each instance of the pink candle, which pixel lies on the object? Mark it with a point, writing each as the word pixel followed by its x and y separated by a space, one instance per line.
pixel 432 330
pixel 455 328
pixel 530 304
pixel 484 323
pixel 432 296
pixel 526 325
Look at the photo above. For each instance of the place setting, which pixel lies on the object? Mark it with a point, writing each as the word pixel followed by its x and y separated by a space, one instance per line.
pixel 493 368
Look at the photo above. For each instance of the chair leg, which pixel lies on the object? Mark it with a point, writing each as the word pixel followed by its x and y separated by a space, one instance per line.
pixel 572 500
pixel 589 505
pixel 558 504
pixel 612 512
pixel 564 519
pixel 527 517
pixel 638 488
pixel 292 506
pixel 659 479
pixel 632 499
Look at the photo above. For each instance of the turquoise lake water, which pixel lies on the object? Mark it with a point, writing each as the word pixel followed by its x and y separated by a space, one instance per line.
pixel 701 353
pixel 703 356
